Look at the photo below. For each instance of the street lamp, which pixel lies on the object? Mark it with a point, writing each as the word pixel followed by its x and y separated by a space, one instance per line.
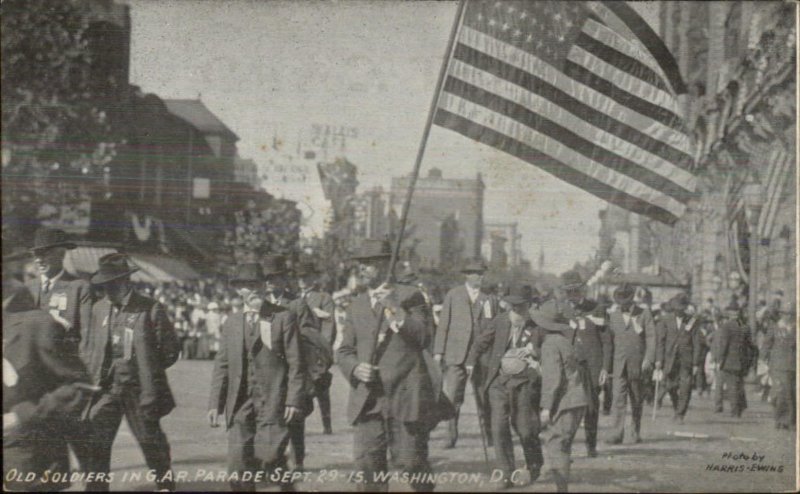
pixel 753 194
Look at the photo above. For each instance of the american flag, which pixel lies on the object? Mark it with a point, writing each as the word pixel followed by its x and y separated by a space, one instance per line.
pixel 584 90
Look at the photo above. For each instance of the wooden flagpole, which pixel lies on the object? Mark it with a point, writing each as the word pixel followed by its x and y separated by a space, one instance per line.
pixel 421 152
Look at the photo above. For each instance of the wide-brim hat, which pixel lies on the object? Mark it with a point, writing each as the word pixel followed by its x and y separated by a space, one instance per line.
pixel 519 294
pixel 274 265
pixel 373 249
pixel 624 294
pixel 550 317
pixel 474 266
pixel 112 267
pixel 249 272
pixel 571 280
pixel 48 238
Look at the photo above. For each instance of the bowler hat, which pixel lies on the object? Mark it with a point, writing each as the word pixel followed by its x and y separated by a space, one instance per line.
pixel 112 267
pixel 274 264
pixel 306 267
pixel 679 302
pixel 519 294
pixel 550 317
pixel 47 238
pixel 407 275
pixel 474 266
pixel 571 280
pixel 624 294
pixel 249 272
pixel 373 248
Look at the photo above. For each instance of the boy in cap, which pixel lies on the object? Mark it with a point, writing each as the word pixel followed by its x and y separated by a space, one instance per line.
pixel 513 382
pixel 564 399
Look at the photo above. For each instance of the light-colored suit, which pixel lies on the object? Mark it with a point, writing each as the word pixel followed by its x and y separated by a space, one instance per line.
pixel 633 344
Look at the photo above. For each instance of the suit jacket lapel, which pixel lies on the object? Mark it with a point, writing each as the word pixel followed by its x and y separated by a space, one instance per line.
pixel 37 290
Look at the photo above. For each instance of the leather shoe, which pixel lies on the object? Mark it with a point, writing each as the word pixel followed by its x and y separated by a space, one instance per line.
pixel 614 440
pixel 591 453
pixel 535 473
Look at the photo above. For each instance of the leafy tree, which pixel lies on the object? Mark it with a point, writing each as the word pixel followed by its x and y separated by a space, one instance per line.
pixel 54 131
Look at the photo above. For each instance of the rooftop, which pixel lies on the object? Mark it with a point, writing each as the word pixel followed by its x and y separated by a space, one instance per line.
pixel 199 116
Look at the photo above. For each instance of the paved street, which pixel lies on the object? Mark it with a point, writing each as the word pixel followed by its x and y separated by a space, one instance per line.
pixel 662 462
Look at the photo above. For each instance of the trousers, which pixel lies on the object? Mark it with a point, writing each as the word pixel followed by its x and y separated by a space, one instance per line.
pixel 376 436
pixel 734 385
pixel 559 436
pixel 254 445
pixel 105 417
pixel 784 398
pixel 678 384
pixel 515 407
pixel 623 387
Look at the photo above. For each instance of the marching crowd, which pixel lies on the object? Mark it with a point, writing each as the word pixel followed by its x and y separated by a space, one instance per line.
pixel 79 355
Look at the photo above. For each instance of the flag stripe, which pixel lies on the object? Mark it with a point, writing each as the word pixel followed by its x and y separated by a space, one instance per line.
pixel 623 80
pixel 620 60
pixel 775 183
pixel 523 151
pixel 654 44
pixel 598 118
pixel 565 136
pixel 583 124
pixel 605 35
pixel 531 136
pixel 503 54
pixel 583 75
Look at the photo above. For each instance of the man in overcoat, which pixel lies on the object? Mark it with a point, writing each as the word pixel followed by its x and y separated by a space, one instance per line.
pixel 780 352
pixel 128 347
pixel 730 350
pixel 45 387
pixel 67 298
pixel 257 382
pixel 592 347
pixel 679 348
pixel 564 400
pixel 633 337
pixel 313 349
pixel 464 310
pixel 392 399
pixel 513 382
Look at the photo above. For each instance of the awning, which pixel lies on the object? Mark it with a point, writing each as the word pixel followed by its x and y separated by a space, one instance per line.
pixel 161 269
pixel 82 260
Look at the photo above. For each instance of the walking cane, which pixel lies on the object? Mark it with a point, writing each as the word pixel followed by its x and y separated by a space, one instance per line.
pixel 655 400
pixel 480 421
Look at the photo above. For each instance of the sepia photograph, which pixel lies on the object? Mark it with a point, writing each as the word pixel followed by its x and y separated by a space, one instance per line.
pixel 399 245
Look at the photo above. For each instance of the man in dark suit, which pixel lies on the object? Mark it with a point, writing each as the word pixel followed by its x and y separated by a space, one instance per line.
pixel 592 347
pixel 127 349
pixel 313 349
pixel 678 353
pixel 633 338
pixel 564 399
pixel 321 304
pixel 780 352
pixel 392 400
pixel 45 386
pixel 731 359
pixel 513 382
pixel 257 381
pixel 464 310
pixel 67 298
